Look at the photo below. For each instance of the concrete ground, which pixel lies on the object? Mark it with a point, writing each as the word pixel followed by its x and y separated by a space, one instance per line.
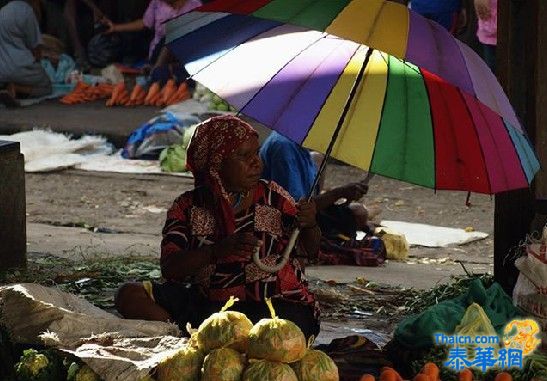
pixel 116 123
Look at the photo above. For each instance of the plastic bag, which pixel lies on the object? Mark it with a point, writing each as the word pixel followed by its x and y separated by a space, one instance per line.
pixel 173 158
pixel 103 49
pixel 147 142
pixel 60 73
pixel 474 323
pixel 397 246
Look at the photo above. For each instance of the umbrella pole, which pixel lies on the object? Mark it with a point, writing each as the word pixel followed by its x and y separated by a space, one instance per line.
pixel 296 232
pixel 340 124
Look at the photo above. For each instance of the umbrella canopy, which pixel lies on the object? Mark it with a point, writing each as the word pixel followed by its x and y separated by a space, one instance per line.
pixel 384 25
pixel 401 121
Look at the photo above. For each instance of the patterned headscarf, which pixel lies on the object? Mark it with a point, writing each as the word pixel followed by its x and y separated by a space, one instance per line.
pixel 215 140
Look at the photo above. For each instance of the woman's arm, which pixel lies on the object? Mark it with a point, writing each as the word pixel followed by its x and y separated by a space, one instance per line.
pixel 177 263
pixel 178 266
pixel 310 234
pixel 133 26
pixel 351 192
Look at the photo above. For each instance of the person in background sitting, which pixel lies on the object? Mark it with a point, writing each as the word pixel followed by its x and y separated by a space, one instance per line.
pixel 21 73
pixel 295 168
pixel 347 234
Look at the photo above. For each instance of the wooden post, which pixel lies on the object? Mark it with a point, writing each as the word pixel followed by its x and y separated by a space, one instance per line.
pixel 13 243
pixel 541 119
pixel 521 54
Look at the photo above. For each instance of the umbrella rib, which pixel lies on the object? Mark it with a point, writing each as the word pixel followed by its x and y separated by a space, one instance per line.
pixel 337 15
pixel 328 95
pixel 373 26
pixel 478 139
pixel 432 129
pixel 382 113
pixel 323 36
pixel 407 124
pixel 229 51
pixel 341 121
pixel 304 7
pixel 526 157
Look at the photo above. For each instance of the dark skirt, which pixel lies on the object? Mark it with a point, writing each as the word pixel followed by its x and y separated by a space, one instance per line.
pixel 186 304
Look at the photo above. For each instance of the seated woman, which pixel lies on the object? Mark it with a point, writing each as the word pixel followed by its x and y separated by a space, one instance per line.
pixel 21 73
pixel 212 231
pixel 295 168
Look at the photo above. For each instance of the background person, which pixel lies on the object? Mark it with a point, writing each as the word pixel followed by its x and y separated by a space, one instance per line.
pixel 21 73
pixel 487 31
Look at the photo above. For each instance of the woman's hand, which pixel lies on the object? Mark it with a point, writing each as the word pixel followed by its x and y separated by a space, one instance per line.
pixel 112 28
pixel 306 215
pixel 239 245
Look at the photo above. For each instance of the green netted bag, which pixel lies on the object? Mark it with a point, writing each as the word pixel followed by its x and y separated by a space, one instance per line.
pixel 316 366
pixel 417 331
pixel 223 364
pixel 276 339
pixel 224 329
pixel 263 370
pixel 185 365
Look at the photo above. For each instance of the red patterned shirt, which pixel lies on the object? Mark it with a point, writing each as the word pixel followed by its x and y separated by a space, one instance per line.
pixel 191 224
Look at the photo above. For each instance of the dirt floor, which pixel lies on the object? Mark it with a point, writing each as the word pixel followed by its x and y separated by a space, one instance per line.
pixel 136 204
pixel 82 215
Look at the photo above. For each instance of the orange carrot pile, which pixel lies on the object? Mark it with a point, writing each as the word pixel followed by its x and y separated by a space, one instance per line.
pixel 83 93
pixel 168 95
pixel 118 95
pixel 389 374
pixel 430 372
pixel 465 375
pixel 137 96
pixel 503 376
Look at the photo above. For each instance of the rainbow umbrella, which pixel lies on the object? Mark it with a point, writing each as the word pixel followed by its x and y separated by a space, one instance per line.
pixel 395 119
pixel 368 108
pixel 384 25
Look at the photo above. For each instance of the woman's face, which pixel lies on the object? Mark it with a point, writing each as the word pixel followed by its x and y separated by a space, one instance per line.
pixel 241 171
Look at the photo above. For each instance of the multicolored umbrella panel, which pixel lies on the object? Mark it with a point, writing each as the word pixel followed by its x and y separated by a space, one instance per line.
pixel 380 24
pixel 402 122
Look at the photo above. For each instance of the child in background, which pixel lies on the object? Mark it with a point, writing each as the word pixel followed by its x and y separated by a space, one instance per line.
pixel 487 32
pixel 157 13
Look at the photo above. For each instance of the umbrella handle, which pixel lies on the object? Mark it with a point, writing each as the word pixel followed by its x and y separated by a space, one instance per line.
pixel 284 258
